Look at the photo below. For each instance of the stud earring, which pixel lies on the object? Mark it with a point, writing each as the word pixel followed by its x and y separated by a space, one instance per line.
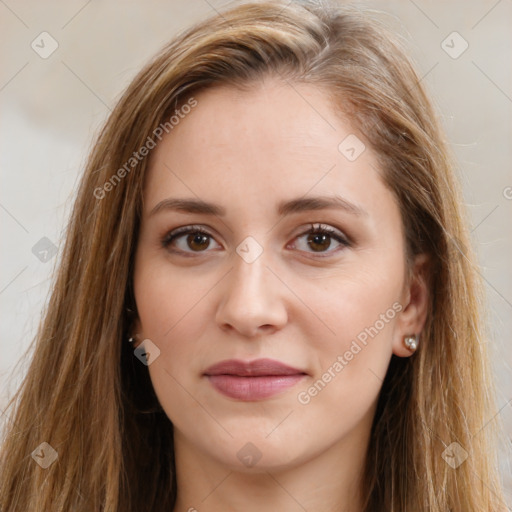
pixel 411 342
pixel 131 339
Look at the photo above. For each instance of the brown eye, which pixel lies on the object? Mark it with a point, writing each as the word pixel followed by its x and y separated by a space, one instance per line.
pixel 320 238
pixel 198 241
pixel 187 240
pixel 319 242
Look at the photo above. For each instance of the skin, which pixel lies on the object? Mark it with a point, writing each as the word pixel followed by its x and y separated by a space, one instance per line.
pixel 298 303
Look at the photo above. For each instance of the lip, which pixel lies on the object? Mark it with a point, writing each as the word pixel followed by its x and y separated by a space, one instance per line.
pixel 253 380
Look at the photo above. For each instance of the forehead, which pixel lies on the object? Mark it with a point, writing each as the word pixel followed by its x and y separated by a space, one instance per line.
pixel 272 141
pixel 282 117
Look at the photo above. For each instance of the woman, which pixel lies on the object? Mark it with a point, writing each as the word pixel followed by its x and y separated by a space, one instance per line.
pixel 267 298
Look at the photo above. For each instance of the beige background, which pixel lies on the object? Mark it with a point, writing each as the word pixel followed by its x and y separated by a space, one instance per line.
pixel 52 107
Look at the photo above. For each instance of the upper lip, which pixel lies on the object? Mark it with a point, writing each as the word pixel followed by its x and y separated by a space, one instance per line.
pixel 257 367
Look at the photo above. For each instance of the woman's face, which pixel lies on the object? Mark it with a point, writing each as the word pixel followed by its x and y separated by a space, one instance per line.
pixel 332 305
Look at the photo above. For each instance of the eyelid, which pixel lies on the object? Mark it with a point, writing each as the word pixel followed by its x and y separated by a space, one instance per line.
pixel 321 228
pixel 184 230
pixel 338 235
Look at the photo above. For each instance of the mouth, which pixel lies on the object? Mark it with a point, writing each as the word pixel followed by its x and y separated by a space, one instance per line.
pixel 255 380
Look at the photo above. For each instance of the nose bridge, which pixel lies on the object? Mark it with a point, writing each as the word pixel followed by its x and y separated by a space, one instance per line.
pixel 249 267
pixel 252 295
pixel 249 277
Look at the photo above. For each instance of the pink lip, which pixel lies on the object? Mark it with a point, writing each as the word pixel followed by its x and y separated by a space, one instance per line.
pixel 253 380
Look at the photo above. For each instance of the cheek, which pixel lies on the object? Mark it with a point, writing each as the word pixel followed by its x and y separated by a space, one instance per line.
pixel 164 294
pixel 171 303
pixel 359 310
pixel 350 300
pixel 171 312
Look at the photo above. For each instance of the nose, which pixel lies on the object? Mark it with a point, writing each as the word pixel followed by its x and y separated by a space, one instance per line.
pixel 252 299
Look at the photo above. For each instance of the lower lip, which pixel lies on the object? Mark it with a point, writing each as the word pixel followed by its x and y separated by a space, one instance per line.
pixel 253 388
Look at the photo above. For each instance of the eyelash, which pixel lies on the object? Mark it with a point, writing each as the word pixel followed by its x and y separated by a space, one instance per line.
pixel 314 230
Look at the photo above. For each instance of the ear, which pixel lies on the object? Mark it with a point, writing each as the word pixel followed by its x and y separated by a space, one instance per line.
pixel 415 300
pixel 136 332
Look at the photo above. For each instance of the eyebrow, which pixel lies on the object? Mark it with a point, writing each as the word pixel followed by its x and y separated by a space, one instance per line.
pixel 284 208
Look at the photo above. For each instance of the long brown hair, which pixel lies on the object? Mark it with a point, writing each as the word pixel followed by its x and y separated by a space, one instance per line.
pixel 88 396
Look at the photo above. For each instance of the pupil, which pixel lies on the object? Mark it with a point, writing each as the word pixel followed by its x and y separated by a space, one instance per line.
pixel 199 239
pixel 318 239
